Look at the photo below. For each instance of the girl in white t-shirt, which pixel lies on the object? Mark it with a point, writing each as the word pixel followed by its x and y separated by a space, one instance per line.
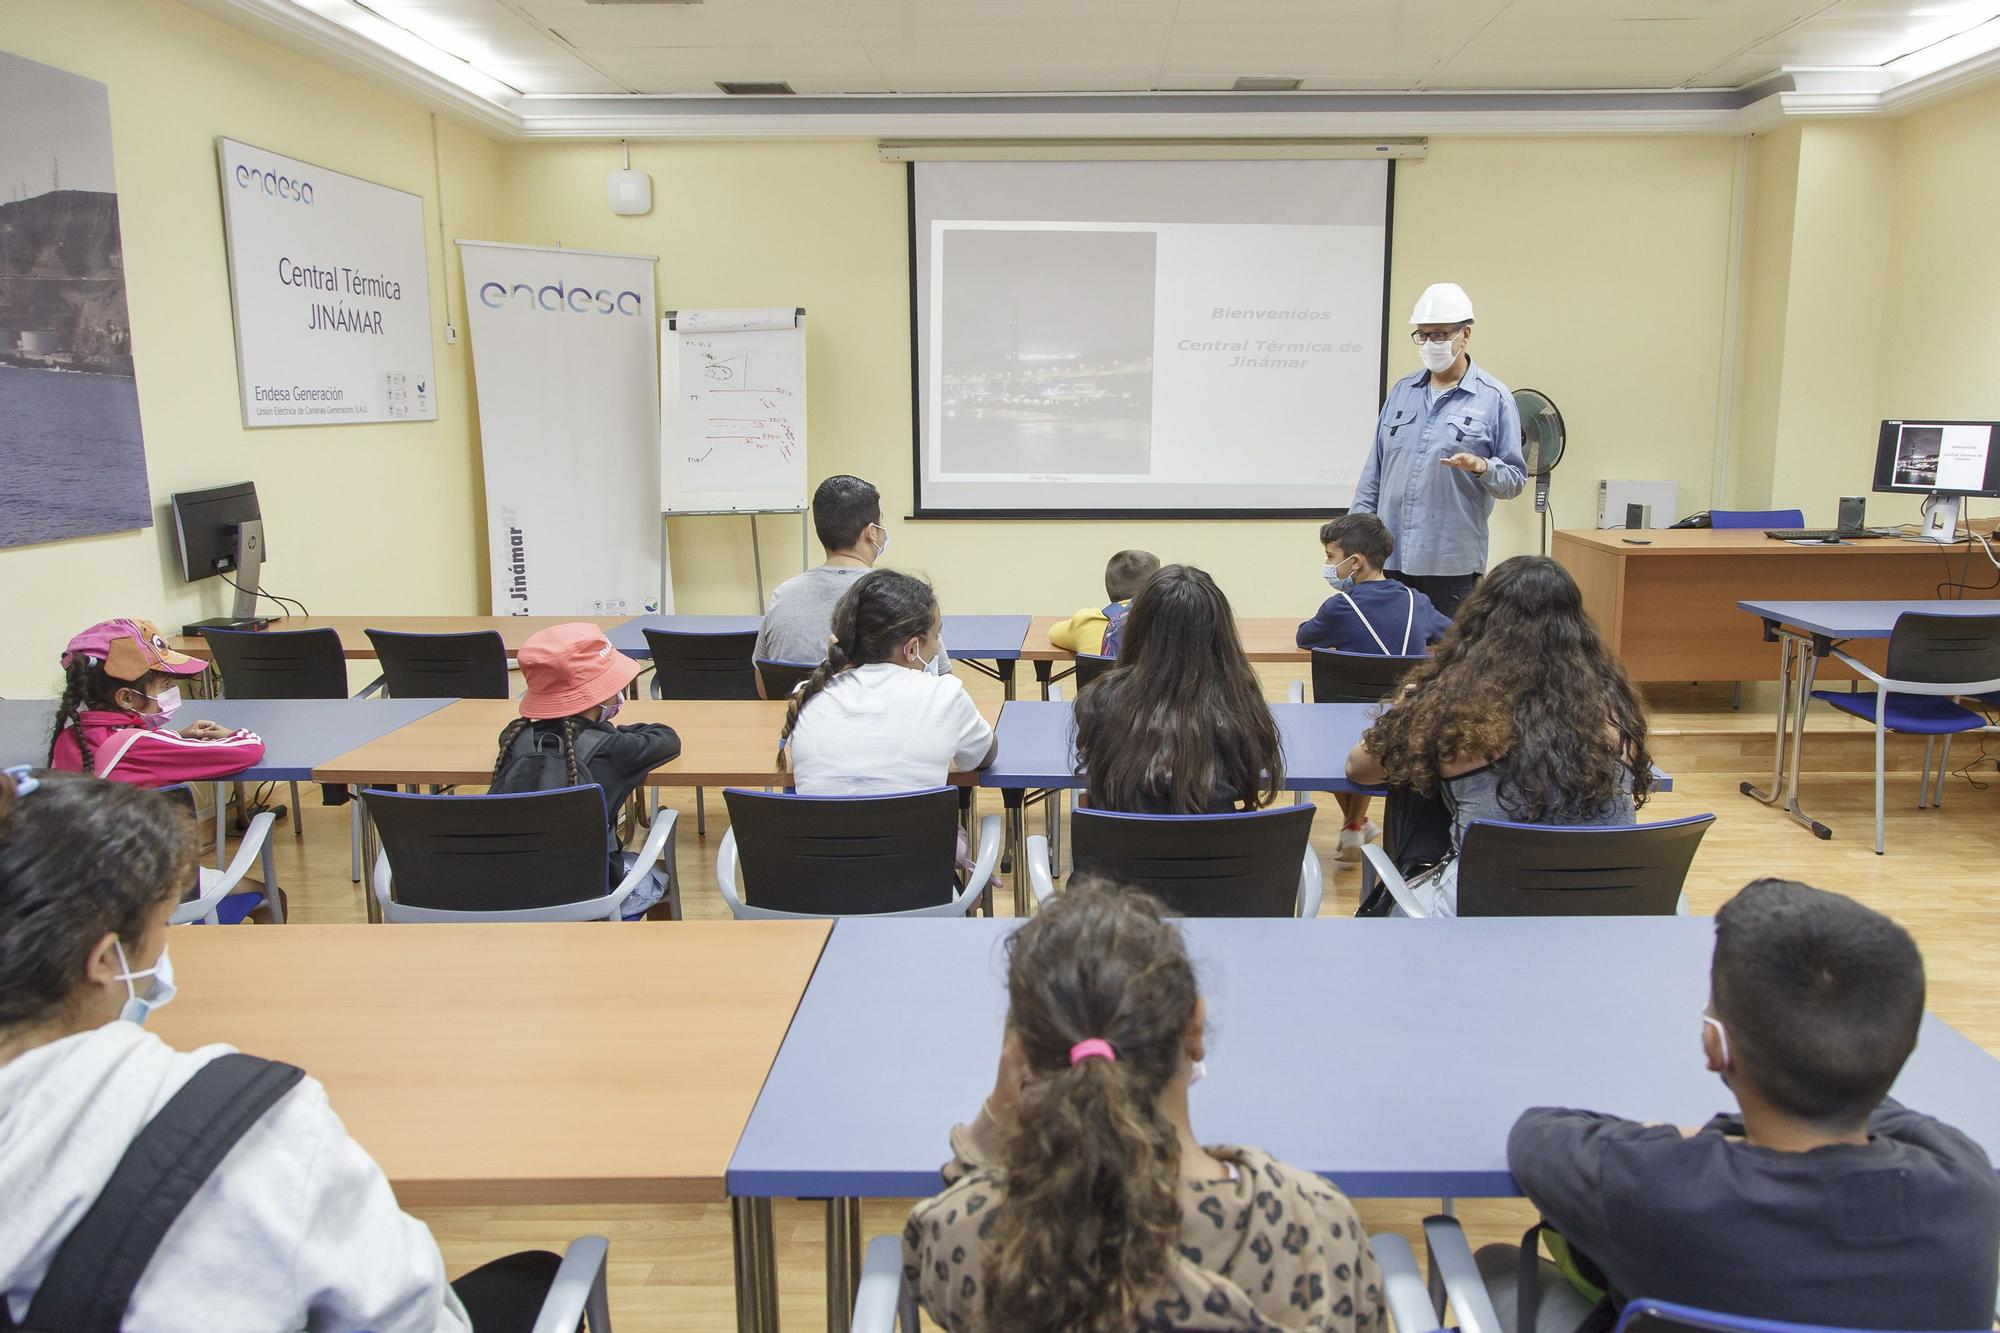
pixel 872 720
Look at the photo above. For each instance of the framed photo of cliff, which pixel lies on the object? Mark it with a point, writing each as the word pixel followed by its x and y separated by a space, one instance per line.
pixel 70 445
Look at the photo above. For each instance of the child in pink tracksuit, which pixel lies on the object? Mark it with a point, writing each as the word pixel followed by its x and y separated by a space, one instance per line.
pixel 118 698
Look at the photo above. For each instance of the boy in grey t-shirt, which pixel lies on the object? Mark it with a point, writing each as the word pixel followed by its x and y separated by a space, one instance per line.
pixel 847 517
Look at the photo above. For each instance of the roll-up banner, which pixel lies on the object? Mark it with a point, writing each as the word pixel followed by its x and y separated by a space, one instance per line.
pixel 565 351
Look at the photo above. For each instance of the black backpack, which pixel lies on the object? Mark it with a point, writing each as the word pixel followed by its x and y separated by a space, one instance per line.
pixel 98 1265
pixel 535 760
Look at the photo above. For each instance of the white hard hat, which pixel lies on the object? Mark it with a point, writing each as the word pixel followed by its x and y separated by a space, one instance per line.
pixel 1442 303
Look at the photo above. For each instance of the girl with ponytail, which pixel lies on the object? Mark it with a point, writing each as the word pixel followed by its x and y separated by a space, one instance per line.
pixel 1080 1201
pixel 872 720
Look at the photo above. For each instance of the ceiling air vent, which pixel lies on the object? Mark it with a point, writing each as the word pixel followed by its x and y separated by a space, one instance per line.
pixel 1266 83
pixel 756 89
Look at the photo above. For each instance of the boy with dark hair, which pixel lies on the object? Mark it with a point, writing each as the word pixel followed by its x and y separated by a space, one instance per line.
pixel 847 518
pixel 1822 1201
pixel 1092 630
pixel 1368 613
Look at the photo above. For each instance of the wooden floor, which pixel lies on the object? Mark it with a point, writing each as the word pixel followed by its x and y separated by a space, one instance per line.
pixel 670 1266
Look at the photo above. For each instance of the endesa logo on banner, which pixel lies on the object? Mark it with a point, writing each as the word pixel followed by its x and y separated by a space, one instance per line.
pixel 275 184
pixel 555 296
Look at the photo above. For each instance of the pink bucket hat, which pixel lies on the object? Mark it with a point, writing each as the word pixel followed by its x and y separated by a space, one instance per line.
pixel 129 650
pixel 570 668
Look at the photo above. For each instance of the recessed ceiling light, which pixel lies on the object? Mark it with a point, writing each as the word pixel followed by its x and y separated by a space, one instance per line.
pixel 756 89
pixel 1268 83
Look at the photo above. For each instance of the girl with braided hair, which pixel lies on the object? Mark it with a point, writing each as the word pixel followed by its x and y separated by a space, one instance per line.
pixel 565 737
pixel 119 698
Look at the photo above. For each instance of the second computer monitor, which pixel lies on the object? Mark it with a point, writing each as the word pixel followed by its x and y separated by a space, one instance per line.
pixel 1938 457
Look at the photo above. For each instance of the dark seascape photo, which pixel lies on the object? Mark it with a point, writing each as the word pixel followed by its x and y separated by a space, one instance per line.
pixel 72 461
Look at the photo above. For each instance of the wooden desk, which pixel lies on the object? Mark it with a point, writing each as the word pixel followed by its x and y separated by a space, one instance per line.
pixel 1265 639
pixel 723 743
pixel 546 1064
pixel 354 643
pixel 1669 609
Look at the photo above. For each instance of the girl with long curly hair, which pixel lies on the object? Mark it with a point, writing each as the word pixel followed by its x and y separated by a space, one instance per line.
pixel 1521 714
pixel 1080 1201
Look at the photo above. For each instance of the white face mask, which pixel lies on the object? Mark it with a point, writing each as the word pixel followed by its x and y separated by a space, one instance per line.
pixel 881 547
pixel 137 1007
pixel 1438 357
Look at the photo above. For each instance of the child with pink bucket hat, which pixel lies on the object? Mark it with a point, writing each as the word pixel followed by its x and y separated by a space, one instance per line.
pixel 565 737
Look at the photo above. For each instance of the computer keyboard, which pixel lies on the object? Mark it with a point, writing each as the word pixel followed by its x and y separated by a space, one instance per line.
pixel 1824 534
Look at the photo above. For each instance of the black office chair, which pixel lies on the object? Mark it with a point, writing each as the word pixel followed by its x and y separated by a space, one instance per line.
pixel 1357 678
pixel 442 666
pixel 1089 666
pixel 526 856
pixel 781 678
pixel 1539 870
pixel 702 666
pixel 849 855
pixel 1246 863
pixel 283 664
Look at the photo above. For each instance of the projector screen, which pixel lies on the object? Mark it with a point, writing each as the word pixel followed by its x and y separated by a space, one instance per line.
pixel 1146 338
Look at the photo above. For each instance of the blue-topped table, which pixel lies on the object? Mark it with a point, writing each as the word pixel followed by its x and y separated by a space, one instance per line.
pixel 973 640
pixel 1806 632
pixel 1467 1023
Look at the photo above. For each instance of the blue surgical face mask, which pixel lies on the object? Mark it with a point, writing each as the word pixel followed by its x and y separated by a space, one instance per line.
pixel 157 996
pixel 1340 582
pixel 611 707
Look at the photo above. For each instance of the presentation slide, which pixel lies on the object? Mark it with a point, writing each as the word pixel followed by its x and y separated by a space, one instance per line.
pixel 1142 337
pixel 1952 457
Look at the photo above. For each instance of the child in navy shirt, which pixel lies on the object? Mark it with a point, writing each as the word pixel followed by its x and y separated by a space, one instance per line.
pixel 1368 613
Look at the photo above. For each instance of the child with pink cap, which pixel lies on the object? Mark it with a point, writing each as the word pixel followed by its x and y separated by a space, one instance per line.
pixel 565 738
pixel 119 696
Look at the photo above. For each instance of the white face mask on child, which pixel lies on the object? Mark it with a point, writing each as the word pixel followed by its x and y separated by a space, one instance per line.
pixel 137 1006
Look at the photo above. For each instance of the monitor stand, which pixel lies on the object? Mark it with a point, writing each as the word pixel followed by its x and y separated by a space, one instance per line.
pixel 1941 519
pixel 249 573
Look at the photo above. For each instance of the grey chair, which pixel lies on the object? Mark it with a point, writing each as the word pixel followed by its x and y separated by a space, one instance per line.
pixel 472 665
pixel 1243 863
pixel 691 665
pixel 1544 870
pixel 883 1303
pixel 219 897
pixel 579 1297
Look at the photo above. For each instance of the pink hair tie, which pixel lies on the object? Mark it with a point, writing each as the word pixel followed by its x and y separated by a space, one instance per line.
pixel 1092 1048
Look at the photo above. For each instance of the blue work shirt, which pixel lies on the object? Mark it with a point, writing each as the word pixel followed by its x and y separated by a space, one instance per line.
pixel 1436 514
pixel 1375 617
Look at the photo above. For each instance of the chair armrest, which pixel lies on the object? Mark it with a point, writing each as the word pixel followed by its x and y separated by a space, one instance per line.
pixel 1402 1286
pixel 384 879
pixel 1296 692
pixel 1039 878
pixel 578 1291
pixel 983 862
pixel 1860 668
pixel 725 873
pixel 255 840
pixel 1312 882
pixel 373 687
pixel 879 1297
pixel 1392 878
pixel 649 856
pixel 1451 1259
pixel 1055 694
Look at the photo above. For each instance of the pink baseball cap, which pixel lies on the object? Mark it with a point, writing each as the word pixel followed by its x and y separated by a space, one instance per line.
pixel 129 650
pixel 570 668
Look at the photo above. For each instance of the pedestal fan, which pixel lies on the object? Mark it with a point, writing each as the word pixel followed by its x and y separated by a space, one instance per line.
pixel 1541 447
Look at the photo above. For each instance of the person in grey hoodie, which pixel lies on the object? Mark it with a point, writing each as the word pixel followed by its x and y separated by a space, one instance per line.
pixel 297 1228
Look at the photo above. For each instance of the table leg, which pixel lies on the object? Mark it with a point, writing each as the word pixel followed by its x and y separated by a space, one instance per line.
pixel 1044 670
pixel 753 1238
pixel 1808 674
pixel 1788 645
pixel 1017 845
pixel 843 1261
pixel 1005 667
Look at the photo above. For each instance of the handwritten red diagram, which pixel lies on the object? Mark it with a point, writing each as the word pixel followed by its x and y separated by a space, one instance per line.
pixel 731 375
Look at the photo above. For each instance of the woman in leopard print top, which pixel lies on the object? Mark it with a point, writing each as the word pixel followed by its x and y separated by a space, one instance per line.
pixel 1079 1200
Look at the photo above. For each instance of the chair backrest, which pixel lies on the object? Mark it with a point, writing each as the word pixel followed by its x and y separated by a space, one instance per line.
pixel 1244 863
pixel 1650 1316
pixel 781 678
pixel 279 664
pixel 703 666
pixel 1537 870
pixel 495 853
pixel 442 666
pixel 1945 650
pixel 844 855
pixel 1357 678
pixel 1757 518
pixel 1089 666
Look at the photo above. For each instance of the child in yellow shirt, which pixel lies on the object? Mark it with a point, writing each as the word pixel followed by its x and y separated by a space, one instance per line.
pixel 1084 632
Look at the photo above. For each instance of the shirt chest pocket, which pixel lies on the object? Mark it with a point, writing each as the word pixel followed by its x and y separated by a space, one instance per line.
pixel 1400 430
pixel 1468 431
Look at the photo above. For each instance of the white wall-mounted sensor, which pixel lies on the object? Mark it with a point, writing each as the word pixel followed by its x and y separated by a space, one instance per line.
pixel 631 193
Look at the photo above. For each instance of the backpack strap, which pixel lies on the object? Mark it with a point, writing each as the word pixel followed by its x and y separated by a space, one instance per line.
pixel 1362 616
pixel 1528 1289
pixel 95 1270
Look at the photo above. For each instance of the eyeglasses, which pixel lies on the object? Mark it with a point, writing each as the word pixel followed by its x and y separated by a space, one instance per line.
pixel 1435 335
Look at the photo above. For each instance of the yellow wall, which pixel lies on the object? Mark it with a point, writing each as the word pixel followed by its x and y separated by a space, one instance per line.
pixel 1769 196
pixel 361 518
pixel 1609 299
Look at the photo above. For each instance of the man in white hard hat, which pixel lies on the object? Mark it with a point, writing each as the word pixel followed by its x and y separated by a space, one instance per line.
pixel 1448 445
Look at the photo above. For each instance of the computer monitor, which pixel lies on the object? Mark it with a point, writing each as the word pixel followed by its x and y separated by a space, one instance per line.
pixel 1945 460
pixel 221 532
